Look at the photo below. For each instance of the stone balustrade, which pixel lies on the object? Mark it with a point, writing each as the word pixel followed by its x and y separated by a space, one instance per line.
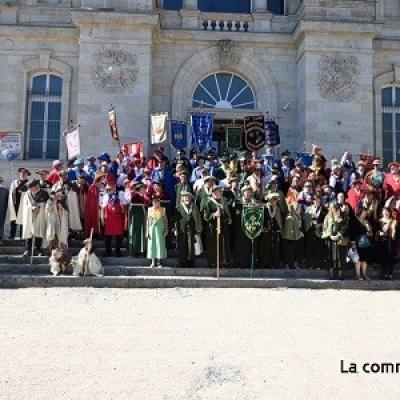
pixel 222 22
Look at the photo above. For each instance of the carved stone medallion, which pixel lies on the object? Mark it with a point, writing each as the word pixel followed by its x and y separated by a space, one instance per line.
pixel 339 77
pixel 227 55
pixel 115 70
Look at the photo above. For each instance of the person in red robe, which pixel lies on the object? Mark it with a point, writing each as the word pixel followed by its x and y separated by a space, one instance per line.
pixel 355 195
pixel 54 175
pixel 391 184
pixel 113 218
pixel 92 216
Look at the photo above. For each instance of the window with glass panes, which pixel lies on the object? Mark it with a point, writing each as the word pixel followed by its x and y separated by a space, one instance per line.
pixel 44 117
pixel 391 124
pixel 225 91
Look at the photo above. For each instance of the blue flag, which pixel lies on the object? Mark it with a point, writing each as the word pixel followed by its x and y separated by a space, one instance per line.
pixel 202 128
pixel 178 134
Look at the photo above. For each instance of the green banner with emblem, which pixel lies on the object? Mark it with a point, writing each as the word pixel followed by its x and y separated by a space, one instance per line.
pixel 252 221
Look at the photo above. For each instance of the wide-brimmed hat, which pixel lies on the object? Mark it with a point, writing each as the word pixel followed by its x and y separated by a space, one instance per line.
pixel 42 172
pixel 186 193
pixel 104 157
pixel 216 188
pixel 208 178
pixel 272 195
pixel 23 169
pixel 98 175
pixel 393 164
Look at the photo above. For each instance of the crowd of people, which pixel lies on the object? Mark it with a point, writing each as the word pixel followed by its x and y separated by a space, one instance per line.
pixel 328 214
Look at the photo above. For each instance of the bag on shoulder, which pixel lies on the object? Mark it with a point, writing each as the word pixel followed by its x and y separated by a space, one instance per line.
pixel 364 241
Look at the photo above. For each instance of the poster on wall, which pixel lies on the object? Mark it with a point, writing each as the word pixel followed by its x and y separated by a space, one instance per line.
pixel 10 145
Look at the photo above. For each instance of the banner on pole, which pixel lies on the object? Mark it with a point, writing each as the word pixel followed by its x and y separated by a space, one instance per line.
pixel 254 130
pixel 252 221
pixel 234 136
pixel 272 134
pixel 179 134
pixel 133 149
pixel 112 121
pixel 10 145
pixel 202 129
pixel 159 128
pixel 72 141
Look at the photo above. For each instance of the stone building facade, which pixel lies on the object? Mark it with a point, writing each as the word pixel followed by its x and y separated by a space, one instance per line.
pixel 328 70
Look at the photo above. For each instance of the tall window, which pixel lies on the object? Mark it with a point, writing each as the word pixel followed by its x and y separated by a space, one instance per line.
pixel 231 6
pixel 173 4
pixel 236 6
pixel 224 91
pixel 44 116
pixel 391 124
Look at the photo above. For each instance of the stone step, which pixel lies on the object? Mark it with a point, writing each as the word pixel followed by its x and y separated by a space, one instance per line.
pixel 46 281
pixel 127 261
pixel 145 270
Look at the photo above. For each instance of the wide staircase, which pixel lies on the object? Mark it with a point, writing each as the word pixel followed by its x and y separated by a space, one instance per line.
pixel 130 272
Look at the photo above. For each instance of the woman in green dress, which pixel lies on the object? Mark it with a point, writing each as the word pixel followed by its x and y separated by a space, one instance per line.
pixel 157 230
pixel 335 232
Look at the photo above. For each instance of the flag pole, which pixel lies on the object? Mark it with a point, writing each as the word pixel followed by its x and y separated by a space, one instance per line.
pixel 218 236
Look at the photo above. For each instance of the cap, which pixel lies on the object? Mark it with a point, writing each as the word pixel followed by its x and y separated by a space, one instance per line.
pixel 208 178
pixel 79 161
pixel 42 172
pixel 91 158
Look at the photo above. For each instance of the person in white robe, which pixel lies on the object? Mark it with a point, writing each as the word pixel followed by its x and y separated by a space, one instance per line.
pixel 17 192
pixel 70 193
pixel 87 263
pixel 34 217
pixel 57 220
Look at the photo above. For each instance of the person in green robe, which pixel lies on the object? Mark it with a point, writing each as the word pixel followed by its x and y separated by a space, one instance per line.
pixel 293 238
pixel 204 193
pixel 335 233
pixel 188 227
pixel 270 239
pixel 137 221
pixel 242 245
pixel 215 209
pixel 156 232
pixel 182 186
pixel 315 249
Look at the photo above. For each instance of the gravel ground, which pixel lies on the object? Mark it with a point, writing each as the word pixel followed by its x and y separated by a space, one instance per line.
pixel 201 344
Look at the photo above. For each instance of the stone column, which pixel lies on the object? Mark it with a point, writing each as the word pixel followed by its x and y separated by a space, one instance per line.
pixel 190 5
pixel 261 16
pixel 190 14
pixel 260 5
